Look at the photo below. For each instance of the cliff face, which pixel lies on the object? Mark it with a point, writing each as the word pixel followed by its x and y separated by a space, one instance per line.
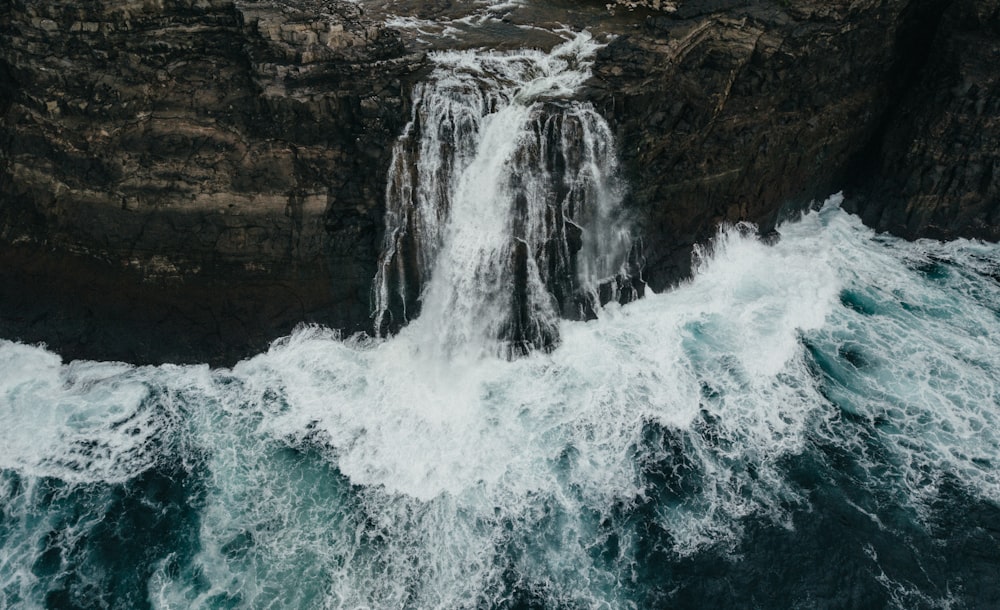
pixel 188 179
pixel 750 112
pixel 935 172
pixel 210 167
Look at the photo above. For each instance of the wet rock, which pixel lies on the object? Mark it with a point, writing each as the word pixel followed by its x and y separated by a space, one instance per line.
pixel 749 112
pixel 187 180
pixel 936 170
pixel 202 176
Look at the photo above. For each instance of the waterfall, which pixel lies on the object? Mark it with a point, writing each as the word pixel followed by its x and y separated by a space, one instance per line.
pixel 503 204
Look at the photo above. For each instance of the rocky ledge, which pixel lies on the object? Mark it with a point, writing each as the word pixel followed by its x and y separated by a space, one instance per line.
pixel 188 179
pixel 731 110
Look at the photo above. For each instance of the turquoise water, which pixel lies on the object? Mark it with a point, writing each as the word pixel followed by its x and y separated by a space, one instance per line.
pixel 808 424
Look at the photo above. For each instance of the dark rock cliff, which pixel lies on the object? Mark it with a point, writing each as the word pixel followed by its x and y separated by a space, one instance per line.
pixel 935 171
pixel 751 112
pixel 188 179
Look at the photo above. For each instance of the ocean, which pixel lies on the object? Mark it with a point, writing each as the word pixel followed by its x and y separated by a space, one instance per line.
pixel 810 421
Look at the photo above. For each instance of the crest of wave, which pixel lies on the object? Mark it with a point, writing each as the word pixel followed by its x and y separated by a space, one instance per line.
pixel 455 481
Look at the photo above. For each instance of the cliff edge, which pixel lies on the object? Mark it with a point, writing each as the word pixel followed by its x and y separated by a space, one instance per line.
pixel 186 180
pixel 191 179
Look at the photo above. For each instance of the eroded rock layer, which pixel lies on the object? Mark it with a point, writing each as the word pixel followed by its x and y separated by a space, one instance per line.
pixel 751 112
pixel 212 168
pixel 188 179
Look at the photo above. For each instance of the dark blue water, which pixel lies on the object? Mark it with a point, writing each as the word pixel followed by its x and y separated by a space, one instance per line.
pixel 811 424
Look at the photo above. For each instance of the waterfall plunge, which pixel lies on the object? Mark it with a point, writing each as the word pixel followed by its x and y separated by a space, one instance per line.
pixel 502 205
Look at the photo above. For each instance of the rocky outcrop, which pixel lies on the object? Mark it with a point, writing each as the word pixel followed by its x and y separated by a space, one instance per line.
pixel 749 113
pixel 188 179
pixel 935 171
pixel 211 167
pixel 656 5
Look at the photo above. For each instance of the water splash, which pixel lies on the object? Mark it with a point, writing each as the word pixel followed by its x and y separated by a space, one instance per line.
pixel 502 204
pixel 362 473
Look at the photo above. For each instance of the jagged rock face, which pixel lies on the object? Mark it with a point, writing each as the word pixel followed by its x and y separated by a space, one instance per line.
pixel 936 173
pixel 747 113
pixel 211 162
pixel 656 5
pixel 188 179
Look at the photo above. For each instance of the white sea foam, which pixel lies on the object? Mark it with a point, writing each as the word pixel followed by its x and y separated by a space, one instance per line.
pixel 85 421
pixel 366 474
pixel 922 337
pixel 456 462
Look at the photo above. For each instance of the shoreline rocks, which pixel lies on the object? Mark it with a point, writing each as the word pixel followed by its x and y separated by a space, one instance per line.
pixel 935 169
pixel 199 158
pixel 750 114
pixel 187 180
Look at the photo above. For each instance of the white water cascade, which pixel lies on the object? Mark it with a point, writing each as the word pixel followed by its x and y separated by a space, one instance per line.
pixel 502 204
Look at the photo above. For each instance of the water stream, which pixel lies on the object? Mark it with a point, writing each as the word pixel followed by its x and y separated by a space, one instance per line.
pixel 503 204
